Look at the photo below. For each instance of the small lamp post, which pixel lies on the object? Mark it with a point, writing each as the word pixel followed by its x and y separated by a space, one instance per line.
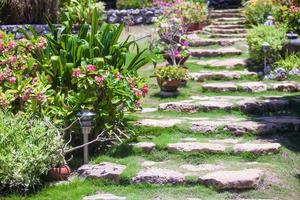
pixel 86 119
pixel 266 49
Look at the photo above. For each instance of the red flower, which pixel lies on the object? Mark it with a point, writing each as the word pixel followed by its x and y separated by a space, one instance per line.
pixel 99 80
pixel 145 90
pixel 12 45
pixel 137 92
pixel 12 80
pixel 12 59
pixel 76 73
pixel 91 68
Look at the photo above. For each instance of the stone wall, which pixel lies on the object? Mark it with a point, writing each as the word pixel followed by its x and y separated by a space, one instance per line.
pixel 135 16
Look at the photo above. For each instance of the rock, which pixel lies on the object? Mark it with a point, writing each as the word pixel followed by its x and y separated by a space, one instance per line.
pixel 220 87
pixel 145 146
pixel 103 196
pixel 228 31
pixel 226 141
pixel 202 167
pixel 207 126
pixel 230 51
pixel 228 63
pixel 259 148
pixel 148 163
pixel 202 76
pixel 252 86
pixel 159 176
pixel 196 147
pixel 220 35
pixel 244 179
pixel 243 127
pixel 103 170
pixel 182 106
pixel 159 122
pixel 285 87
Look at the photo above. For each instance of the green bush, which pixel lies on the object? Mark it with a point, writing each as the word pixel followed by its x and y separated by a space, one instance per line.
pixel 127 4
pixel 257 11
pixel 29 147
pixel 289 62
pixel 275 36
pixel 290 16
pixel 28 11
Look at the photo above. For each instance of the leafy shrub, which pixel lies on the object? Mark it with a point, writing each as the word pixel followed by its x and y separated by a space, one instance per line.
pixel 257 11
pixel 28 149
pixel 193 12
pixel 171 73
pixel 80 11
pixel 127 4
pixel 290 16
pixel 275 36
pixel 28 11
pixel 290 62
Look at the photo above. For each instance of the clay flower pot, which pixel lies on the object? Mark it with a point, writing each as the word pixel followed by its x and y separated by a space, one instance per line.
pixel 169 88
pixel 60 173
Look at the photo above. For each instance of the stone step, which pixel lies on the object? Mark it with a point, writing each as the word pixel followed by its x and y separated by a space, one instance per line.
pixel 251 87
pixel 231 19
pixel 228 31
pixel 198 42
pixel 220 35
pixel 256 147
pixel 226 63
pixel 243 179
pixel 235 126
pixel 227 26
pixel 227 11
pixel 228 23
pixel 226 51
pixel 103 196
pixel 216 15
pixel 229 103
pixel 220 75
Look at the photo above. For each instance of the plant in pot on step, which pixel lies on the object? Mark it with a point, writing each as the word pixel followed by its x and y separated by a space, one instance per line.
pixel 177 53
pixel 169 79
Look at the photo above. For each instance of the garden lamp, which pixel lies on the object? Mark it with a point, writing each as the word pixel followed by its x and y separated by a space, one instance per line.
pixel 266 49
pixel 86 119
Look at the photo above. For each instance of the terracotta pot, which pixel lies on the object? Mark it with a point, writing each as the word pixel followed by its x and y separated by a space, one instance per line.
pixel 179 60
pixel 60 173
pixel 169 86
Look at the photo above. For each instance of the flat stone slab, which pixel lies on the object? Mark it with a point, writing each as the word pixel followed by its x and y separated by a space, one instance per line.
pixel 258 127
pixel 103 196
pixel 195 41
pixel 257 148
pixel 221 35
pixel 253 86
pixel 145 146
pixel 228 31
pixel 285 86
pixel 243 179
pixel 219 75
pixel 202 167
pixel 228 103
pixel 227 63
pixel 103 170
pixel 159 176
pixel 196 147
pixel 220 87
pixel 231 51
pixel 164 123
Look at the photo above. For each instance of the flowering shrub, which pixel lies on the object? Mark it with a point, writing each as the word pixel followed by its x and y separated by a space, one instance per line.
pixel 170 73
pixel 257 11
pixel 290 16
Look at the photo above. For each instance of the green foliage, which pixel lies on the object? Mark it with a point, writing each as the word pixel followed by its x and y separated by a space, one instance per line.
pixel 29 147
pixel 171 73
pixel 80 11
pixel 28 11
pixel 290 16
pixel 275 36
pixel 289 62
pixel 127 4
pixel 257 11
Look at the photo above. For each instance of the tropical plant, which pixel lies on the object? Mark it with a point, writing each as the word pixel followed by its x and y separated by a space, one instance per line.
pixel 290 62
pixel 289 15
pixel 29 147
pixel 80 11
pixel 193 12
pixel 274 36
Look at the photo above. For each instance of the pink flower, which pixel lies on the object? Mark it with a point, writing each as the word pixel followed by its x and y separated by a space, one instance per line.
pixel 1 77
pixel 185 43
pixel 27 94
pixel 76 73
pixel 91 68
pixel 42 43
pixel 1 47
pixel 12 59
pixel 12 45
pixel 137 92
pixel 118 75
pixel 40 97
pixel 99 80
pixel 34 80
pixel 176 53
pixel 12 80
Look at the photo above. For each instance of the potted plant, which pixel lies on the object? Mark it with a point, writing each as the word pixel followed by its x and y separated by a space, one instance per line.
pixel 169 79
pixel 60 172
pixel 177 54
